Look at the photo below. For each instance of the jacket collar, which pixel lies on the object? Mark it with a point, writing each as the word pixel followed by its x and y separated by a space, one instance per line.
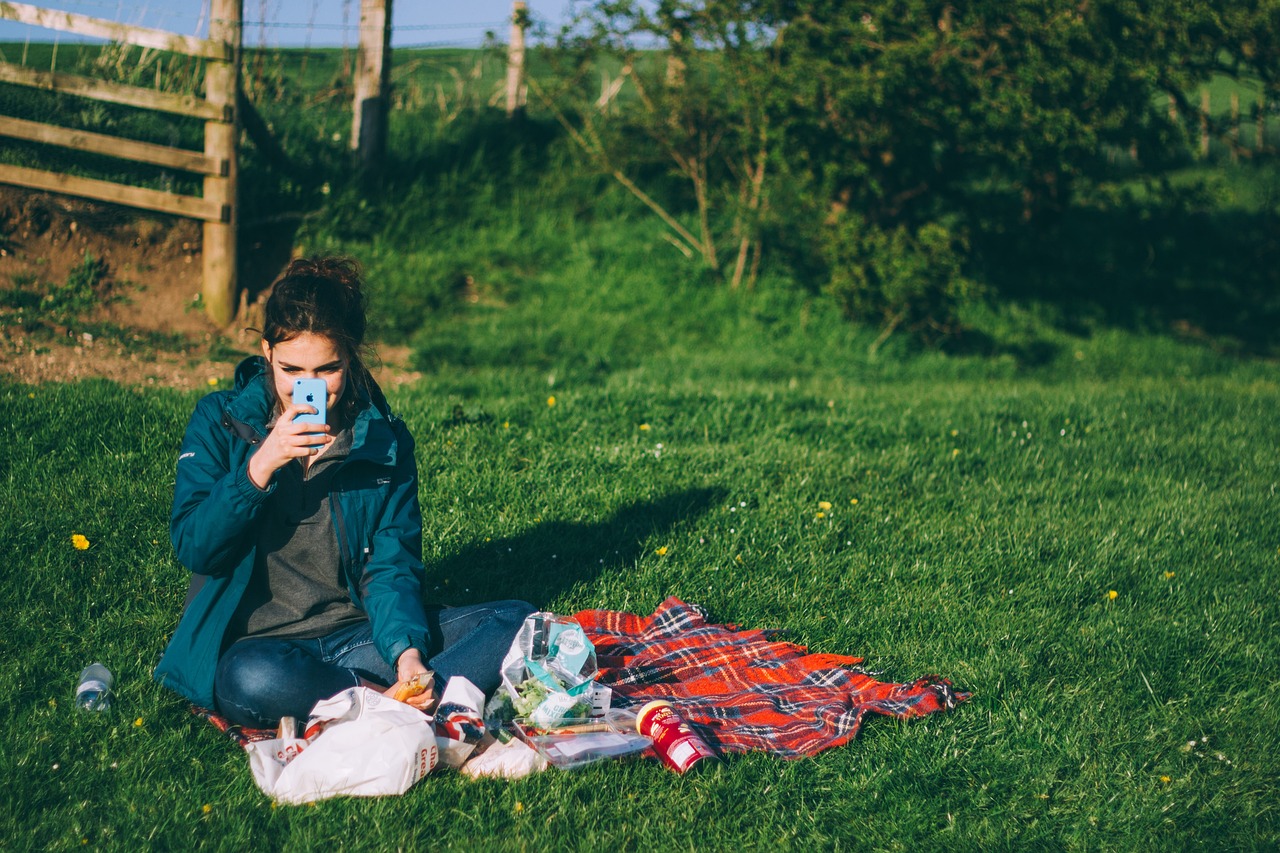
pixel 250 404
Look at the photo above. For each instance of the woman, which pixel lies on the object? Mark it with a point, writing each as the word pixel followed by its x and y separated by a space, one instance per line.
pixel 304 540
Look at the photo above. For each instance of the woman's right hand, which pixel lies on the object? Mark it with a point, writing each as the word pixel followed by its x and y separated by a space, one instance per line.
pixel 287 441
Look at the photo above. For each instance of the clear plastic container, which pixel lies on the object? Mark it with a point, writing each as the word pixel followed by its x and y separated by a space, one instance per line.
pixel 578 742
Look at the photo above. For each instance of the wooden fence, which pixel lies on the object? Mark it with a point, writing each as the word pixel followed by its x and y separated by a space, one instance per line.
pixel 217 163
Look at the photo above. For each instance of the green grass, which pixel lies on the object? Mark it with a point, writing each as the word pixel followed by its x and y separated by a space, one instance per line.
pixel 1002 491
pixel 998 501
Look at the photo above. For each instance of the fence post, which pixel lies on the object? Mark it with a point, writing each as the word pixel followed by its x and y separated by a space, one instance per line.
pixel 675 65
pixel 1260 123
pixel 221 81
pixel 1235 125
pixel 1204 122
pixel 372 90
pixel 515 58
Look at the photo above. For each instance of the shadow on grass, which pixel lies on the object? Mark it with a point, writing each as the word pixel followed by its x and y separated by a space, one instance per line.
pixel 550 559
pixel 1174 266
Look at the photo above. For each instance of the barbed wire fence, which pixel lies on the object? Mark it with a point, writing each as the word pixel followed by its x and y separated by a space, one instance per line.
pixel 280 49
pixel 126 50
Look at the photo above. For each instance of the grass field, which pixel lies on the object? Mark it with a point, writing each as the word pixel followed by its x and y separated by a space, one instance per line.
pixel 1088 542
pixel 1073 515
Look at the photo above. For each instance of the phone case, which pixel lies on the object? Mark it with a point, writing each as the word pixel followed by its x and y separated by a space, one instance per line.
pixel 310 392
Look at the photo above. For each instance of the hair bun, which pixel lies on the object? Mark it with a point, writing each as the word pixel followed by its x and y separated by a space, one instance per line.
pixel 319 295
pixel 339 270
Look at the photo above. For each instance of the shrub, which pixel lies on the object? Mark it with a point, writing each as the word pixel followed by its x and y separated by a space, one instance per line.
pixel 902 278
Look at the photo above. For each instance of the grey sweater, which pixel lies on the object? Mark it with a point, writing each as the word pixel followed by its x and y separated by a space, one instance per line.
pixel 297 591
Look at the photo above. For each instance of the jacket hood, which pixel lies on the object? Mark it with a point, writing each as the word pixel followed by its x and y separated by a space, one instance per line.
pixel 251 403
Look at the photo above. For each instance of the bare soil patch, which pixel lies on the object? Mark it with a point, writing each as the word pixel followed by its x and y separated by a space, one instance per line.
pixel 142 322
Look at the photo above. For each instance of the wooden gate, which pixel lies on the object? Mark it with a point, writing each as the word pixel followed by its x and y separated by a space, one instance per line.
pixel 217 163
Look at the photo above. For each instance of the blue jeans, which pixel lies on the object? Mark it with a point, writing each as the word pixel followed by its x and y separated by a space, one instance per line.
pixel 261 679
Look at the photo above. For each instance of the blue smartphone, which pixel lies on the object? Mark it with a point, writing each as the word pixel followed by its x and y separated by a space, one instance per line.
pixel 314 393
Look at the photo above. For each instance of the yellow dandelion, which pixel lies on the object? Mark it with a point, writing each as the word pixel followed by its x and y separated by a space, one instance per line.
pixel 954 433
pixel 519 806
pixel 1168 575
pixel 506 424
pixel 955 453
pixel 661 552
pixel 1112 594
pixel 825 506
pixel 213 381
pixel 79 542
pixel 644 427
pixel 1166 779
pixel 137 724
pixel 853 501
pixel 738 558
pixel 820 515
pixel 206 808
pixel 31 396
pixel 551 401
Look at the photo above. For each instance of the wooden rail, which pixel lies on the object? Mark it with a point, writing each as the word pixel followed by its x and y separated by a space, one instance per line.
pixel 114 93
pixel 217 163
pixel 113 146
pixel 190 206
pixel 56 19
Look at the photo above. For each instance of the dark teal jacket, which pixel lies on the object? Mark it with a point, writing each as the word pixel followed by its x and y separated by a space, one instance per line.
pixel 214 526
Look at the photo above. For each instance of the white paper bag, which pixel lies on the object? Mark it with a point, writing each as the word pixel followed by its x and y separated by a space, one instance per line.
pixel 370 745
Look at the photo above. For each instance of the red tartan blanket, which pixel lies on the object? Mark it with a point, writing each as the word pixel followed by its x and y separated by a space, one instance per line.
pixel 240 734
pixel 742 690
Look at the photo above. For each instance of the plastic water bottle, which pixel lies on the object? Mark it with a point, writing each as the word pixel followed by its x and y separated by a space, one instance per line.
pixel 94 691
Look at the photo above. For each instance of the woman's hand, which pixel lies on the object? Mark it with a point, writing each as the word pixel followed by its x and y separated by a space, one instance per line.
pixel 287 441
pixel 410 666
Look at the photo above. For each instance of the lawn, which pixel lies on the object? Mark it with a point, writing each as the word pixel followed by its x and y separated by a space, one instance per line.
pixel 1089 544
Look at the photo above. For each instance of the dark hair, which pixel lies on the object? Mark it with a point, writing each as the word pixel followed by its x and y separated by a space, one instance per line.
pixel 323 296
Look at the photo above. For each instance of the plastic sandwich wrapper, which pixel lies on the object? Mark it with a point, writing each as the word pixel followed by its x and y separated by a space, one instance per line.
pixel 549 672
pixel 549 677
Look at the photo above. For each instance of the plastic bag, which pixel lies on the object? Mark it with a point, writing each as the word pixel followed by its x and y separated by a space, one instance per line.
pixel 459 726
pixel 549 671
pixel 367 745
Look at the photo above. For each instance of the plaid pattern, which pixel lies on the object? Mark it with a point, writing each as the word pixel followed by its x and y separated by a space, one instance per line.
pixel 742 690
pixel 240 734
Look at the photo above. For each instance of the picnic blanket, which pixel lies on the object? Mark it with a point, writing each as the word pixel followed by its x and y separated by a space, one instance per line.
pixel 242 735
pixel 742 690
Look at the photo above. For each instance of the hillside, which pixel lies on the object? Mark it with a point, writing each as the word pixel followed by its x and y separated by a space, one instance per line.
pixel 90 290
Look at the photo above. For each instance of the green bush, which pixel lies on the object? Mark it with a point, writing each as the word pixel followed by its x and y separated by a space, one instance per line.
pixel 905 279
